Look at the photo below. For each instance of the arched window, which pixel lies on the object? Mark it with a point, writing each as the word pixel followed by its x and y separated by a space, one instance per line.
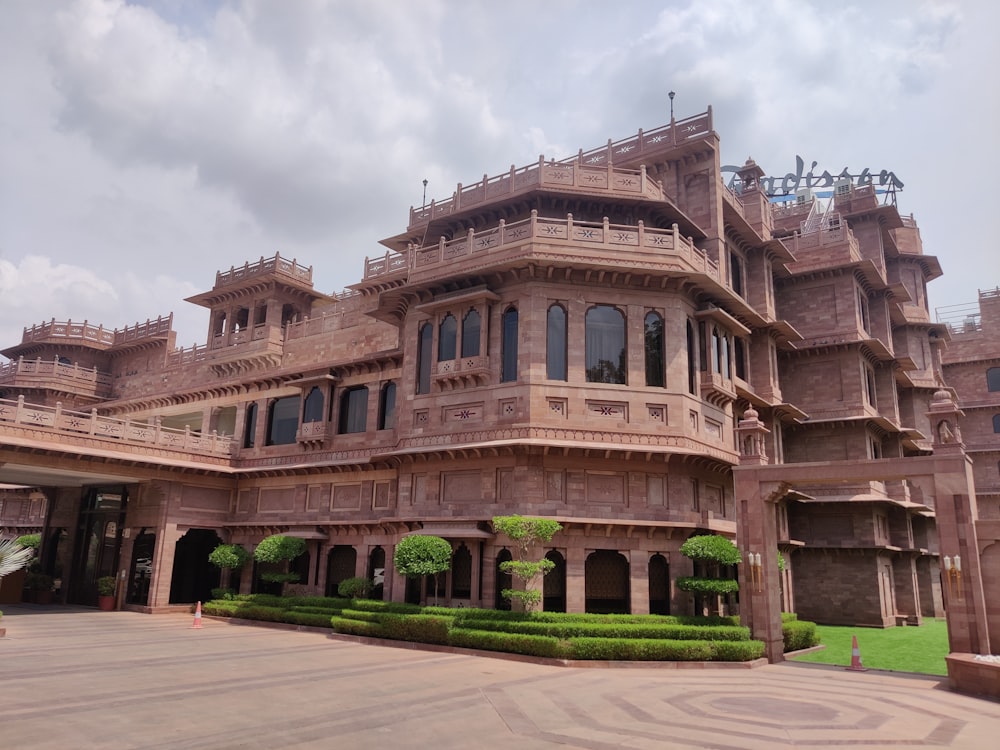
pixel 655 375
pixel 555 343
pixel 716 351
pixel 692 362
pixel 387 407
pixel 735 273
pixel 447 333
pixel 461 573
pixel 283 420
pixel 470 334
pixel 312 410
pixel 425 339
pixel 993 379
pixel 353 410
pixel 605 345
pixel 740 355
pixel 508 346
pixel 727 366
pixel 250 426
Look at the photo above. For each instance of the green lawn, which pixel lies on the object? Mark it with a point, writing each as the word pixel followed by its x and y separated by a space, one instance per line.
pixel 905 649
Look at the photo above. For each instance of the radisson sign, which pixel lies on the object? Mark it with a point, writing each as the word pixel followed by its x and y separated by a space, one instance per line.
pixel 787 185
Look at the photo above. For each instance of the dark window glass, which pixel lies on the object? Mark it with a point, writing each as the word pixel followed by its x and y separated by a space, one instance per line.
pixel 426 339
pixel 716 351
pixel 312 410
pixel 555 344
pixel 470 334
pixel 605 345
pixel 996 423
pixel 702 352
pixel 353 410
pixel 727 367
pixel 387 407
pixel 736 273
pixel 692 364
pixel 509 346
pixel 870 386
pixel 654 350
pixel 283 421
pixel 250 427
pixel 741 358
pixel 447 334
pixel 993 379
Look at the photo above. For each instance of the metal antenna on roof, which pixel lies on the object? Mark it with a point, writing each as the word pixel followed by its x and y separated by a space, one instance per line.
pixel 424 204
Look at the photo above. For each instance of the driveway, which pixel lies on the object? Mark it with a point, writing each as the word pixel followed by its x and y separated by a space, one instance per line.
pixel 80 678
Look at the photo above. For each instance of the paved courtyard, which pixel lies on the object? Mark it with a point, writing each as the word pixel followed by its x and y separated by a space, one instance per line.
pixel 81 678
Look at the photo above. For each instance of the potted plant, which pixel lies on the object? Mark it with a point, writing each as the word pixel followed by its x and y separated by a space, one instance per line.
pixel 106 593
pixel 40 585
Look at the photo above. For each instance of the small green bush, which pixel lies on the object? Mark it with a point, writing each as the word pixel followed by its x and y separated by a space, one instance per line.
pixel 278 548
pixel 350 626
pixel 222 592
pixel 34 541
pixel 623 649
pixel 789 617
pixel 531 645
pixel 711 548
pixel 355 587
pixel 799 634
pixel 229 556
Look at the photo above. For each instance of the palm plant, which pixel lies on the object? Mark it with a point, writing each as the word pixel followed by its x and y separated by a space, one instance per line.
pixel 13 556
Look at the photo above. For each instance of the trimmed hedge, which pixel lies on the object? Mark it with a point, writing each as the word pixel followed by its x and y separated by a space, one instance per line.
pixel 512 643
pixel 799 634
pixel 569 629
pixel 648 649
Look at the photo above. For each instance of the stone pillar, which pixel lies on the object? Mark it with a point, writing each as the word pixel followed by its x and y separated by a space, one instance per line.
pixel 576 581
pixel 166 546
pixel 956 511
pixel 757 535
pixel 638 564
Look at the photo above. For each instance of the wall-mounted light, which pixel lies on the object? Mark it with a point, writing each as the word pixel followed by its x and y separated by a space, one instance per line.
pixel 953 573
pixel 756 573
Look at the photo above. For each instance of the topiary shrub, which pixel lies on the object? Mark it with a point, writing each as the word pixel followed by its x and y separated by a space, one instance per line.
pixel 354 588
pixel 712 552
pixel 279 550
pixel 422 555
pixel 526 534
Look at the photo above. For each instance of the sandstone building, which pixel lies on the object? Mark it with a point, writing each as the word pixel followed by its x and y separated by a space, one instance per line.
pixel 577 339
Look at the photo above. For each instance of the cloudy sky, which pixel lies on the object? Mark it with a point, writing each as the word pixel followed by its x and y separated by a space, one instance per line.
pixel 146 145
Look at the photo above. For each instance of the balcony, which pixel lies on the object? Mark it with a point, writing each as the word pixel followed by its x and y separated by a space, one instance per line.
pixel 462 373
pixel 586 245
pixel 263 267
pixel 56 376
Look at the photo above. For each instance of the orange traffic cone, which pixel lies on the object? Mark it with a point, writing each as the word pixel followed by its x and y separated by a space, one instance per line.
pixel 856 665
pixel 197 618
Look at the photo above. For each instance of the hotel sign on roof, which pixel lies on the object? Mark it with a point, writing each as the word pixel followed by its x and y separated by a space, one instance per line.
pixel 793 181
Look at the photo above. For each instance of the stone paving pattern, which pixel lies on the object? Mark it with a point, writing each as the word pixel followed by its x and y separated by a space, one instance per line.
pixel 78 678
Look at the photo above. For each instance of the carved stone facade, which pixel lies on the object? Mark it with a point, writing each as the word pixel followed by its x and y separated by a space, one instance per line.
pixel 573 339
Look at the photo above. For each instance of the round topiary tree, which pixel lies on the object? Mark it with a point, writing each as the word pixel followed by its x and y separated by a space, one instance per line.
pixel 422 555
pixel 279 550
pixel 229 557
pixel 711 553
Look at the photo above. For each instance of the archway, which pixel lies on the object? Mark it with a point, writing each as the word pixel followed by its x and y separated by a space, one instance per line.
pixel 659 585
pixel 554 583
pixel 376 573
pixel 461 573
pixel 606 573
pixel 193 576
pixel 341 564
pixel 503 581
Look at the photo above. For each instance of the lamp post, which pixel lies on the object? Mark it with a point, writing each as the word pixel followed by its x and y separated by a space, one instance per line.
pixel 671 95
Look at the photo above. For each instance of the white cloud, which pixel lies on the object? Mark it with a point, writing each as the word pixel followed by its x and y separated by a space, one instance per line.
pixel 147 145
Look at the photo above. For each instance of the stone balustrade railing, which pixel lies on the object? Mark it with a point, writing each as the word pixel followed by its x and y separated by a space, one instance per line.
pixel 98 334
pixel 91 424
pixel 24 370
pixel 264 266
pixel 616 237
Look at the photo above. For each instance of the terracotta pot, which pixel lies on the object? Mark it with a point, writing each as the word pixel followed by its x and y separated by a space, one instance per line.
pixel 106 602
